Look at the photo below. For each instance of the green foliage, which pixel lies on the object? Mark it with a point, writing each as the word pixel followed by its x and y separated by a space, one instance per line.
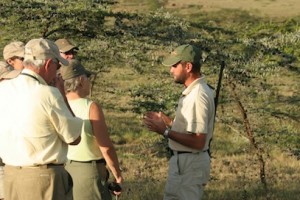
pixel 52 19
pixel 261 60
pixel 252 49
pixel 154 97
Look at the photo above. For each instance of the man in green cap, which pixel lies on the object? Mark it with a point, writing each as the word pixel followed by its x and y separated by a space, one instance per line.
pixel 191 130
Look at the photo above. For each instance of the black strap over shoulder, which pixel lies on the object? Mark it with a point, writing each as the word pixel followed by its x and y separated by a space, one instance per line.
pixel 29 75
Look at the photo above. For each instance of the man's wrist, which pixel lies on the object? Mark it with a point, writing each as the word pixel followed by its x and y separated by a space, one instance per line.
pixel 166 133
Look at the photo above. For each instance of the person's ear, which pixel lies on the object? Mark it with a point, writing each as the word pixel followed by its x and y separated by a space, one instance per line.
pixel 189 66
pixel 44 69
pixel 9 61
pixel 81 78
pixel 47 65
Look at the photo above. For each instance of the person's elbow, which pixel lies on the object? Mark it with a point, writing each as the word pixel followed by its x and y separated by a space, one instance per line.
pixel 199 141
pixel 199 147
pixel 75 142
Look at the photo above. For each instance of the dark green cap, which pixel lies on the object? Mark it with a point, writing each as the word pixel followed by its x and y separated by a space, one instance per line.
pixel 187 53
pixel 74 69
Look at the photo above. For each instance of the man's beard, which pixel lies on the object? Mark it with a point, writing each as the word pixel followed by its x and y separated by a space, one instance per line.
pixel 179 80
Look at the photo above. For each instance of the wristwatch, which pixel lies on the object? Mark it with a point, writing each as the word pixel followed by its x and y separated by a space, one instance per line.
pixel 166 133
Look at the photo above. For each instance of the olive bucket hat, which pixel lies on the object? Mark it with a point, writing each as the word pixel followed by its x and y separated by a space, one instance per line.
pixel 74 69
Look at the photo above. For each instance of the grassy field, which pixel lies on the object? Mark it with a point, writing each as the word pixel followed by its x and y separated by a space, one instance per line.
pixel 260 42
pixel 276 9
pixel 235 169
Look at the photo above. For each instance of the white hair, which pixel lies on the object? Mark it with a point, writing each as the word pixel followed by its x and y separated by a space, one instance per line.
pixel 34 63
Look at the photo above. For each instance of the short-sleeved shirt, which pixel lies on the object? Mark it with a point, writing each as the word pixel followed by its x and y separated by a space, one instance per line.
pixel 36 125
pixel 195 113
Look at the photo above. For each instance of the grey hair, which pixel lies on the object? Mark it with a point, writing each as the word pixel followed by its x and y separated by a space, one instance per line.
pixel 72 84
pixel 35 63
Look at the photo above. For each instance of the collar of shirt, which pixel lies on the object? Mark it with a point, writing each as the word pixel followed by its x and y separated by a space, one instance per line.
pixel 32 73
pixel 193 84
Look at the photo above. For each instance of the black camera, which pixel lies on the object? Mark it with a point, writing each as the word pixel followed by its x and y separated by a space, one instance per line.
pixel 114 187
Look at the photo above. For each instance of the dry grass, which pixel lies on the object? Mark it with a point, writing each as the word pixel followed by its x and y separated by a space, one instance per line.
pixel 234 175
pixel 235 170
pixel 263 8
pixel 237 177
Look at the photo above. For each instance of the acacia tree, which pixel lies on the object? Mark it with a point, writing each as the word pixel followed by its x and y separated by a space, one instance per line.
pixel 254 53
pixel 251 57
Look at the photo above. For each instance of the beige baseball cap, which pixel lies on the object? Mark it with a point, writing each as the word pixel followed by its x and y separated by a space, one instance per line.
pixel 15 48
pixel 7 72
pixel 43 49
pixel 65 45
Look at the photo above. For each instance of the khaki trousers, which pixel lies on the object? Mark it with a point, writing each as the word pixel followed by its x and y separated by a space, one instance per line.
pixel 188 173
pixel 37 183
pixel 90 180
pixel 1 182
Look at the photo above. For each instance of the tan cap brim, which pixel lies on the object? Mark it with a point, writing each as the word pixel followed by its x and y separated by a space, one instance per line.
pixel 10 74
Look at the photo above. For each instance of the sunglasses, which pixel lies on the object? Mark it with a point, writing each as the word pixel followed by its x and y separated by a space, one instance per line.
pixel 57 63
pixel 17 57
pixel 70 52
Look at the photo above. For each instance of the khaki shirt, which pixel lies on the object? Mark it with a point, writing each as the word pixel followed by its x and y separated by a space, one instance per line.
pixel 36 125
pixel 194 114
